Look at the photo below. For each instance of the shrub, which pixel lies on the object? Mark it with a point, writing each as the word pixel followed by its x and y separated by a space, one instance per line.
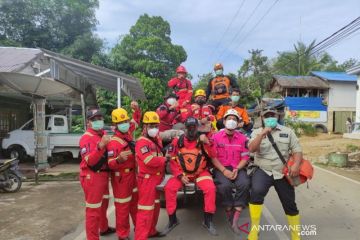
pixel 301 128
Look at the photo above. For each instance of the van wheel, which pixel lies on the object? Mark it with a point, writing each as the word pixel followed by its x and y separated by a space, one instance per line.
pixel 17 152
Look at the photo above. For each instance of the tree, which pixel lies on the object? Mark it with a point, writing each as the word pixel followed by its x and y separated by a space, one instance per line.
pixel 49 24
pixel 203 81
pixel 254 76
pixel 148 49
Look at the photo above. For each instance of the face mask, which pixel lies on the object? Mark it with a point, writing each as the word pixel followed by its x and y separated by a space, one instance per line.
pixel 191 134
pixel 123 127
pixel 219 72
pixel 171 101
pixel 97 125
pixel 230 124
pixel 201 101
pixel 270 122
pixel 152 132
pixel 235 98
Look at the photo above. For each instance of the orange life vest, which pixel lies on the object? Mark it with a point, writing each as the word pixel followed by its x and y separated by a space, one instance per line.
pixel 220 87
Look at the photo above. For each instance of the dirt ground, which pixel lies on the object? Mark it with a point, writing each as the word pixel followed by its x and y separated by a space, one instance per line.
pixel 46 211
pixel 52 209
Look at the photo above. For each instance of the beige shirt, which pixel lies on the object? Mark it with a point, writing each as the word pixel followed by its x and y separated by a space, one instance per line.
pixel 267 158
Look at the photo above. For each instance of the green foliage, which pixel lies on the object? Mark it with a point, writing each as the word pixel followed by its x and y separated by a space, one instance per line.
pixel 147 49
pixel 203 81
pixel 77 125
pixel 301 128
pixel 49 24
pixel 352 148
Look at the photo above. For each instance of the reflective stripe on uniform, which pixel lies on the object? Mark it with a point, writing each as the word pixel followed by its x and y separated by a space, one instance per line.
pixel 157 200
pixel 148 159
pixel 245 154
pixel 89 134
pixel 119 140
pixel 135 189
pixel 204 178
pixel 148 175
pixel 122 200
pixel 93 205
pixel 112 159
pixel 87 158
pixel 107 196
pixel 117 174
pixel 146 207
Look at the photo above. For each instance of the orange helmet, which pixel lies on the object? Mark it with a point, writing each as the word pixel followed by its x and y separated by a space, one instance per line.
pixel 181 69
pixel 218 66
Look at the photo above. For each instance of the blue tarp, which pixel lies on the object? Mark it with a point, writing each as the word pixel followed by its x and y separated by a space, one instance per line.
pixel 305 103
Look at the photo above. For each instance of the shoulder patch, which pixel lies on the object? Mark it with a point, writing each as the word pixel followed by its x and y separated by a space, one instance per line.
pixel 284 135
pixel 144 149
pixel 83 150
pixel 110 153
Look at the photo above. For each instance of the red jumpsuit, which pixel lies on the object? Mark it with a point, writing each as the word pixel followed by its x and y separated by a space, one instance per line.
pixel 202 178
pixel 205 111
pixel 123 178
pixel 151 168
pixel 182 88
pixel 167 117
pixel 94 184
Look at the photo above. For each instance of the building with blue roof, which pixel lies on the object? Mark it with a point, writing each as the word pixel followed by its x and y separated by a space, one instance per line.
pixel 336 91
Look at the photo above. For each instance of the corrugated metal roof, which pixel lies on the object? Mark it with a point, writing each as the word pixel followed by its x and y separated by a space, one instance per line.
pixel 335 76
pixel 300 82
pixel 13 59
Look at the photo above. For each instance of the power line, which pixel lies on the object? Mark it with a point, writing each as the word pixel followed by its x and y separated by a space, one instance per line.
pixel 227 29
pixel 242 27
pixel 255 26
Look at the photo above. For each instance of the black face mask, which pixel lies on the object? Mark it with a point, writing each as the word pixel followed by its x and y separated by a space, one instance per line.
pixel 191 134
pixel 201 101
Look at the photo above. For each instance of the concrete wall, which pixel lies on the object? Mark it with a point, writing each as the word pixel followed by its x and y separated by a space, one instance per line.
pixel 342 96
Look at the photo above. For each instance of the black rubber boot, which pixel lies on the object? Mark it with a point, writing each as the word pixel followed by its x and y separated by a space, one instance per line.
pixel 208 224
pixel 173 222
pixel 109 231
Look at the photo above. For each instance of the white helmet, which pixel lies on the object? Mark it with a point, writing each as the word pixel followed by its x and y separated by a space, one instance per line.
pixel 232 112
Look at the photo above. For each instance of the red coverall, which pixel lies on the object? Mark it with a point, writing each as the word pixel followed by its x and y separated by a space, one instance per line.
pixel 200 112
pixel 151 168
pixel 182 88
pixel 203 178
pixel 123 178
pixel 94 184
pixel 167 117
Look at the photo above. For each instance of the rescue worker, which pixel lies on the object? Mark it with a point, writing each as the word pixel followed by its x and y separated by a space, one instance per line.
pixel 151 168
pixel 202 111
pixel 233 157
pixel 188 164
pixel 269 172
pixel 218 89
pixel 234 104
pixel 181 86
pixel 168 112
pixel 121 160
pixel 94 175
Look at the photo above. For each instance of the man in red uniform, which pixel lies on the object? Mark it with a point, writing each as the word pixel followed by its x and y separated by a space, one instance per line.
pixel 182 86
pixel 188 164
pixel 94 175
pixel 202 112
pixel 168 112
pixel 121 160
pixel 151 168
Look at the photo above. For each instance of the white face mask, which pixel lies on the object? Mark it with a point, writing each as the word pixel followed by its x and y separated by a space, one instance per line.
pixel 171 101
pixel 231 124
pixel 152 132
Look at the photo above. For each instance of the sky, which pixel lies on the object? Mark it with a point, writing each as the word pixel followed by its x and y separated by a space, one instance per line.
pixel 223 31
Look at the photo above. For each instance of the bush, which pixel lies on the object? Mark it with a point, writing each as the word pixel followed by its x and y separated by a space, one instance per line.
pixel 301 128
pixel 352 148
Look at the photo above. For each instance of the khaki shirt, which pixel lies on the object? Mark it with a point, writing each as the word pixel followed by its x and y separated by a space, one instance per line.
pixel 267 158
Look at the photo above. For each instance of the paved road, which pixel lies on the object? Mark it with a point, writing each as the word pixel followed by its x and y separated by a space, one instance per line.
pixel 331 204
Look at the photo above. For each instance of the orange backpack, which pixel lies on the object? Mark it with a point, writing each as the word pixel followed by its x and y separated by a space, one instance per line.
pixel 220 86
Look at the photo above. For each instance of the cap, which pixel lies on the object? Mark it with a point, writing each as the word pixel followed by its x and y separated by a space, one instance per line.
pixel 93 113
pixel 191 121
pixel 269 110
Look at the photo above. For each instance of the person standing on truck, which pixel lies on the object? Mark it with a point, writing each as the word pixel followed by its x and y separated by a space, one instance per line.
pixel 188 163
pixel 202 112
pixel 181 86
pixel 219 88
pixel 151 167
pixel 270 171
pixel 234 104
pixel 121 160
pixel 94 176
pixel 233 156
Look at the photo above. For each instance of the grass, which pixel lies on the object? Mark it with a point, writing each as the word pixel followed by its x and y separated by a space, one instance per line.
pixel 301 128
pixel 352 148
